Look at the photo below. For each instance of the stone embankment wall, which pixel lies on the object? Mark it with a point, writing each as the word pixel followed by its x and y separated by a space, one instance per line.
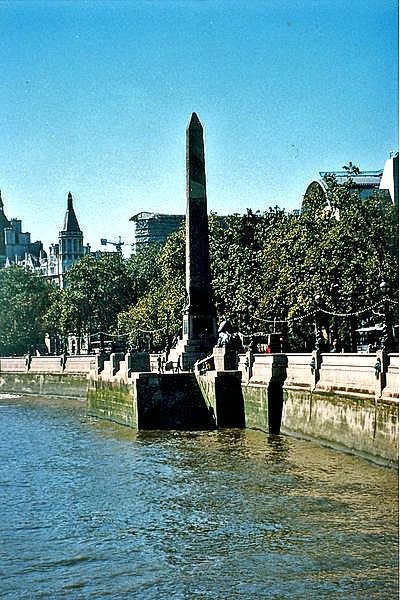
pixel 346 400
pixel 222 391
pixel 151 401
pixel 114 388
pixel 49 375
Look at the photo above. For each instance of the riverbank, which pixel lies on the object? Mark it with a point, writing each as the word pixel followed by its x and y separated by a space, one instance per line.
pixel 338 400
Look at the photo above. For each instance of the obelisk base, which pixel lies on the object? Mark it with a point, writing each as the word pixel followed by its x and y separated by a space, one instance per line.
pixel 190 351
pixel 199 337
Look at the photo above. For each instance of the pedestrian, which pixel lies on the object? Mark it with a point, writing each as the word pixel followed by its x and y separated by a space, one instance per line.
pixel 336 346
pixel 178 364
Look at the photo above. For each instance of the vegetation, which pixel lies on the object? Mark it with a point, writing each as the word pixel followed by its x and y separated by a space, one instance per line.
pixel 157 312
pixel 275 269
pixel 24 299
pixel 97 289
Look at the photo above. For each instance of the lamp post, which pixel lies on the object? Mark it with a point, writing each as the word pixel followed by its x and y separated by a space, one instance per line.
pixel 334 289
pixel 166 333
pixel 318 334
pixel 137 336
pixel 250 308
pixel 102 345
pixel 387 334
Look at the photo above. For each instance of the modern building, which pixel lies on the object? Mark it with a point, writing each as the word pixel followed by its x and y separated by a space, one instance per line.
pixel 390 177
pixel 363 182
pixel 153 228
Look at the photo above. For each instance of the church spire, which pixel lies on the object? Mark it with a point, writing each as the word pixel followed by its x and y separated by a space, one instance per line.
pixel 70 221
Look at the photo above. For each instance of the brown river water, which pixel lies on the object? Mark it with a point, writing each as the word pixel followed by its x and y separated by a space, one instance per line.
pixel 94 510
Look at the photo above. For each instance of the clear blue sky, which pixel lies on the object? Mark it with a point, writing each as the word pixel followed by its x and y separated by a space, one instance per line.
pixel 96 96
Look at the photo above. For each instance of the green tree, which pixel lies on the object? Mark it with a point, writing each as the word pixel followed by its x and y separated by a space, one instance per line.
pixel 24 299
pixel 97 289
pixel 235 254
pixel 143 268
pixel 330 260
pixel 158 311
pixel 295 271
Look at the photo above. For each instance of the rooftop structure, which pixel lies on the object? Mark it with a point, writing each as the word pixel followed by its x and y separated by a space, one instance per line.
pixel 153 227
pixel 363 182
pixel 390 177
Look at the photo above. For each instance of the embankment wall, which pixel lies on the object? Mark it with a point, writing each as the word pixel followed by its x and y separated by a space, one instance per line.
pixel 152 401
pixel 49 384
pixel 348 401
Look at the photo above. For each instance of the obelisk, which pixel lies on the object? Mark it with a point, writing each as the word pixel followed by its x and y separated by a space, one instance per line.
pixel 199 317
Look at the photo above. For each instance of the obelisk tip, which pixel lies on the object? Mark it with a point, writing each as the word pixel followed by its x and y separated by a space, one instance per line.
pixel 194 120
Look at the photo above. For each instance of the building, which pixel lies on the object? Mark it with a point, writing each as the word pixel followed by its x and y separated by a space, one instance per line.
pixel 390 177
pixel 16 247
pixel 153 228
pixel 4 225
pixel 70 246
pixel 363 182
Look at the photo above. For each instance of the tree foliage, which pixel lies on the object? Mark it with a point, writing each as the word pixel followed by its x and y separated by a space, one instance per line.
pixel 24 299
pixel 235 253
pixel 268 269
pixel 97 289
pixel 157 313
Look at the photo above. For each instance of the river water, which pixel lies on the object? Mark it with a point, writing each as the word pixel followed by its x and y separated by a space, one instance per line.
pixel 95 510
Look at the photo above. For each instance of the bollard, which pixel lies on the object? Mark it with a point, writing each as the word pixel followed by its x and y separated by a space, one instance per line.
pixel 381 367
pixel 315 366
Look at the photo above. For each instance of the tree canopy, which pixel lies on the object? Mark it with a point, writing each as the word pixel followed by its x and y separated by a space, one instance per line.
pixel 24 299
pixel 269 270
pixel 98 287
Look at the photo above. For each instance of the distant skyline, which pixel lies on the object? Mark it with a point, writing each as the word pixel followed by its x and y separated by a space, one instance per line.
pixel 96 97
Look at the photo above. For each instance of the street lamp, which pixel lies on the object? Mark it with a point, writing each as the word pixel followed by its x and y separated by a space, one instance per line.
pixel 250 308
pixel 166 333
pixel 137 336
pixel 317 299
pixel 387 333
pixel 318 327
pixel 334 290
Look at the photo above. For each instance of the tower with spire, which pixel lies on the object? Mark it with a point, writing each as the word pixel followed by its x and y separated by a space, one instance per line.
pixel 70 239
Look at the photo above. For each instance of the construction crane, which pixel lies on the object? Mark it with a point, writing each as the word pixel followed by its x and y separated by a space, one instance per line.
pixel 118 245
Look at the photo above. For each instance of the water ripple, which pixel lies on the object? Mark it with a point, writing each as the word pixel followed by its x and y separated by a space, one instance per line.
pixel 93 510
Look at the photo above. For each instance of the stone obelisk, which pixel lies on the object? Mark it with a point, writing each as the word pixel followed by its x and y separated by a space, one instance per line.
pixel 199 331
pixel 199 315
